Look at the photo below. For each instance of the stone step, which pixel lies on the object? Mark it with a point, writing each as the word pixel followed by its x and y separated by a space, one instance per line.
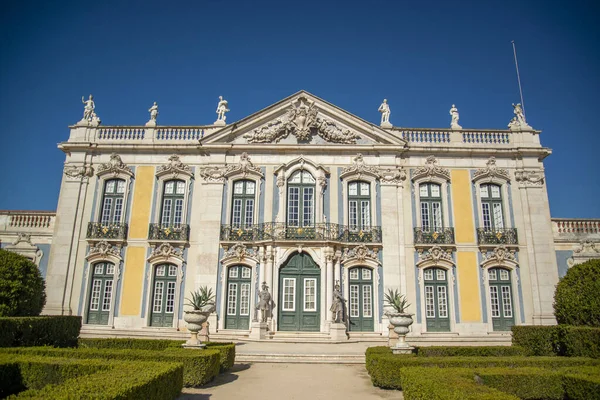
pixel 300 358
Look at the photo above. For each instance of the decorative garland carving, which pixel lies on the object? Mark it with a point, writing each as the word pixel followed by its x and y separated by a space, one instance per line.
pixel 115 166
pixel 387 175
pixel 491 171
pixel 431 169
pixel 23 238
pixel 301 120
pixel 530 177
pixel 166 250
pixel 500 254
pixel 212 174
pixel 175 167
pixel 240 252
pixel 78 172
pixel 103 249
pixel 244 167
pixel 360 253
pixel 435 254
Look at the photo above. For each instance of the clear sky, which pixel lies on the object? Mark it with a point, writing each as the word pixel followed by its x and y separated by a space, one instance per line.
pixel 422 56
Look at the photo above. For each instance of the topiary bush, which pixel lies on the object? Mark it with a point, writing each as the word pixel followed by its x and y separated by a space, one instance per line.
pixel 577 300
pixel 22 288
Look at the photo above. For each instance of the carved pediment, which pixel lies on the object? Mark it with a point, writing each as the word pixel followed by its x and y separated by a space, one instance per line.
pixel 491 172
pixel 174 167
pixel 360 253
pixel 240 252
pixel 435 255
pixel 359 169
pixel 244 167
pixel 115 166
pixel 431 169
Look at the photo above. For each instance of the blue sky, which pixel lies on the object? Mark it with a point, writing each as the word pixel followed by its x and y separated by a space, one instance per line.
pixel 421 56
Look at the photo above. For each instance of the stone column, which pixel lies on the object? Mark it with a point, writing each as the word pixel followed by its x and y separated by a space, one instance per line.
pixel 269 255
pixel 330 284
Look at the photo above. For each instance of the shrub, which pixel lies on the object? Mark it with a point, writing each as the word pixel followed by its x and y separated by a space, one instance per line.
pixel 562 340
pixel 22 288
pixel 525 383
pixel 56 330
pixel 199 366
pixel 576 300
pixel 580 341
pixel 536 340
pixel 582 387
pixel 227 351
pixel 470 351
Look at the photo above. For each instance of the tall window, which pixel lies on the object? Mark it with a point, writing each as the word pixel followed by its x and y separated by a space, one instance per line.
pixel 430 195
pixel 243 204
pixel 112 201
pixel 301 199
pixel 172 205
pixel 436 300
pixel 359 205
pixel 501 299
pixel 163 295
pixel 491 205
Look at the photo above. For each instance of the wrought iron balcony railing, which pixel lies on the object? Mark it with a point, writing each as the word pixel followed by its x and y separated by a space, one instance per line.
pixel 316 232
pixel 497 236
pixel 434 236
pixel 114 231
pixel 173 232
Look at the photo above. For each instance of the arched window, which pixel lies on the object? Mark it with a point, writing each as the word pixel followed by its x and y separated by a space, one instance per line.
pixel 172 205
pixel 112 201
pixel 501 302
pixel 436 300
pixel 242 214
pixel 100 293
pixel 491 206
pixel 431 207
pixel 301 200
pixel 163 295
pixel 359 205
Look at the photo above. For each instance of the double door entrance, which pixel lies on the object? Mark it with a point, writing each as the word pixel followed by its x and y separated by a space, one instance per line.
pixel 299 292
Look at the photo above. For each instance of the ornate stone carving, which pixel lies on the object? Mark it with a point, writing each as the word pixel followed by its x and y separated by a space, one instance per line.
pixel 529 177
pixel 212 174
pixel 518 122
pixel 432 169
pixel 302 121
pixel 240 252
pixel 500 254
pixel 115 166
pixel 23 238
pixel 153 114
pixel 384 109
pixel 103 249
pixel 389 175
pixel 360 253
pixel 585 250
pixel 221 110
pixel 491 171
pixel 77 172
pixel 90 118
pixel 435 254
pixel 166 250
pixel 359 168
pixel 175 167
pixel 244 167
pixel 454 114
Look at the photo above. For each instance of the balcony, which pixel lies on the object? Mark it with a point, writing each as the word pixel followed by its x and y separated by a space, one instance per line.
pixel 100 231
pixel 169 232
pixel 273 231
pixel 426 236
pixel 489 236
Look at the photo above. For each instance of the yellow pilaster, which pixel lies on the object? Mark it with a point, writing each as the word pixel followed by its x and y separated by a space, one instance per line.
pixel 133 278
pixel 462 203
pixel 142 201
pixel 468 282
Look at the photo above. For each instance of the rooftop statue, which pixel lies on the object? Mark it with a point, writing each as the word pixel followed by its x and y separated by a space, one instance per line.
pixel 384 109
pixel 221 110
pixel 89 112
pixel 153 114
pixel 518 122
pixel 454 122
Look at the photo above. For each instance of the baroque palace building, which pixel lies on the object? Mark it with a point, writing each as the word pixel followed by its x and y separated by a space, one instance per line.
pixel 302 195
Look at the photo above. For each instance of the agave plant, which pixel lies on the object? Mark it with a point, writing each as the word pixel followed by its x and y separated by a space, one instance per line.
pixel 201 298
pixel 396 300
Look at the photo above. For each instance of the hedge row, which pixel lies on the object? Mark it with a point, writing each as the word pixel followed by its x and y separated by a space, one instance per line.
pixel 199 366
pixel 31 377
pixel 384 367
pixel 561 340
pixel 471 351
pixel 56 330
pixel 227 350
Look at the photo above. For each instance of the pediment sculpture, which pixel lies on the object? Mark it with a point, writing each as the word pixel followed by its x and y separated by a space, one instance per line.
pixel 175 166
pixel 431 169
pixel 115 166
pixel 491 171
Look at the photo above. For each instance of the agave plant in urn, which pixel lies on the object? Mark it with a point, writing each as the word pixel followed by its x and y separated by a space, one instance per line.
pixel 203 304
pixel 400 319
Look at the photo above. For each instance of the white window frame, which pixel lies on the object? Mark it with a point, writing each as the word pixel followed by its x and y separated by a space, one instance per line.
pixel 512 267
pixel 283 299
pixel 314 280
pixel 443 198
pixel 450 290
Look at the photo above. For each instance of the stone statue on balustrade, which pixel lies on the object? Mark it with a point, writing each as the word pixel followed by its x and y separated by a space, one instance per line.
pixel 384 109
pixel 518 122
pixel 221 110
pixel 265 303
pixel 89 112
pixel 153 114
pixel 337 308
pixel 454 114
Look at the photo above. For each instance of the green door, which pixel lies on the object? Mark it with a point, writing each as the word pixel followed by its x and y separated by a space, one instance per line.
pixel 238 298
pixel 436 300
pixel 163 295
pixel 299 285
pixel 360 311
pixel 101 289
pixel 501 299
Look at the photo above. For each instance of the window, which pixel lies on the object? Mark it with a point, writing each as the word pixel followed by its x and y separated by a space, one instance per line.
pixel 172 206
pixel 301 199
pixel 112 202
pixel 101 293
pixel 436 300
pixel 501 302
pixel 242 214
pixel 163 295
pixel 430 195
pixel 359 205
pixel 491 206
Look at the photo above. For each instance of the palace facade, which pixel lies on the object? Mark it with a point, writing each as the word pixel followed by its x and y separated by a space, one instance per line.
pixel 302 195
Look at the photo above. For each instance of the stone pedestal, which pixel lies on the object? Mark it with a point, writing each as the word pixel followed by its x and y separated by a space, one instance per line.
pixel 386 125
pixel 337 331
pixel 220 122
pixel 402 347
pixel 258 331
pixel 392 336
pixel 203 335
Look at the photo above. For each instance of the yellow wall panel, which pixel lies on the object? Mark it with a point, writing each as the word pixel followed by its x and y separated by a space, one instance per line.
pixel 468 282
pixel 133 278
pixel 142 201
pixel 462 202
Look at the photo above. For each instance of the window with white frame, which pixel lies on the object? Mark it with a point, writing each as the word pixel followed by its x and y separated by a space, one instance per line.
pixel 301 199
pixel 359 205
pixel 430 196
pixel 243 204
pixel 172 205
pixel 112 201
pixel 491 206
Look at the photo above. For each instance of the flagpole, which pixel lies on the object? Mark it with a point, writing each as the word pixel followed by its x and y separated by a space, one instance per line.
pixel 518 76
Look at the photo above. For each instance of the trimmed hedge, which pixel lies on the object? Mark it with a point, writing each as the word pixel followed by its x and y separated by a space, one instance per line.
pixel 562 340
pixel 471 351
pixel 61 378
pixel 576 300
pixel 227 351
pixel 22 288
pixel 199 366
pixel 54 330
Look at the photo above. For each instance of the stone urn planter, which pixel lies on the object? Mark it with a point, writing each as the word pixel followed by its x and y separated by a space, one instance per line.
pixel 401 322
pixel 202 302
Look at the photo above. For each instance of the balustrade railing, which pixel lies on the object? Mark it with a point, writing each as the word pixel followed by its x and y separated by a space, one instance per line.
pixel 276 231
pixel 120 133
pixel 576 226
pixel 31 220
pixel 426 136
pixel 434 236
pixel 497 236
pixel 179 133
pixel 489 138
pixel 115 231
pixel 170 232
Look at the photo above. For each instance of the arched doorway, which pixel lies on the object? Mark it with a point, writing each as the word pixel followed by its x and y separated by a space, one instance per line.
pixel 360 308
pixel 299 288
pixel 237 315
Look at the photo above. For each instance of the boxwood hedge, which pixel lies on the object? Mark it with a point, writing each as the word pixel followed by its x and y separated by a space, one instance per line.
pixel 55 330
pixel 470 351
pixel 561 340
